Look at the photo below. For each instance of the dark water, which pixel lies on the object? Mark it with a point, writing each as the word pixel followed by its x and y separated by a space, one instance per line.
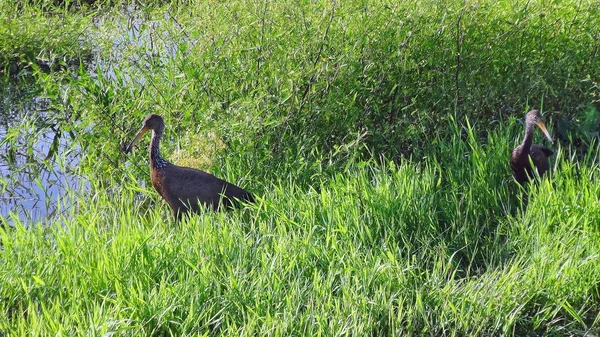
pixel 35 159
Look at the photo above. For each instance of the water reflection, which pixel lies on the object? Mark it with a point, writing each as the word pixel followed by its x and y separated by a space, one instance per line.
pixel 35 159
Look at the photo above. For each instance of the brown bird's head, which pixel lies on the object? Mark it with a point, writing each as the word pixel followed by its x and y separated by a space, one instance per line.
pixel 534 117
pixel 151 122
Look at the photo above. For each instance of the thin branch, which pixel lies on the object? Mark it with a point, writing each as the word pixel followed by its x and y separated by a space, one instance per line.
pixel 317 58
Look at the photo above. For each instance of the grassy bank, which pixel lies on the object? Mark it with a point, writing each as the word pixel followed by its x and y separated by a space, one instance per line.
pixel 436 248
pixel 377 138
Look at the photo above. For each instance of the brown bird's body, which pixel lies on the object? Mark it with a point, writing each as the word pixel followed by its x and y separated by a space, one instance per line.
pixel 185 189
pixel 519 159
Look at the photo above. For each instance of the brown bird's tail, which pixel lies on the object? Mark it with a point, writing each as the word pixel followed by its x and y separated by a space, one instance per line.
pixel 235 200
pixel 248 197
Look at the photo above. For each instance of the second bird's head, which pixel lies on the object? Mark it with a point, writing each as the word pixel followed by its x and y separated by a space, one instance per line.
pixel 151 122
pixel 534 117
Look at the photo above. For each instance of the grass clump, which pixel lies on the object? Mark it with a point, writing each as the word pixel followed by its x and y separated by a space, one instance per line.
pixel 33 39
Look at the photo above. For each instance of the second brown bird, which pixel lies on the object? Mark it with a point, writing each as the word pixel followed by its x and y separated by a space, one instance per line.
pixel 520 156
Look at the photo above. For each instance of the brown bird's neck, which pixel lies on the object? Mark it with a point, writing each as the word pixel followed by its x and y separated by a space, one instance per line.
pixel 156 161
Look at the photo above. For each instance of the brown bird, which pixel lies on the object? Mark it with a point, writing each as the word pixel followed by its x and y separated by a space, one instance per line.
pixel 519 159
pixel 184 188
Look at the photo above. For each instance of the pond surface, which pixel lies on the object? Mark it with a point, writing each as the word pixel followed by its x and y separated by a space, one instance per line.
pixel 37 160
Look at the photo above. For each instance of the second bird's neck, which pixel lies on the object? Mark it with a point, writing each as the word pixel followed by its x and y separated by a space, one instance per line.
pixel 528 137
pixel 156 161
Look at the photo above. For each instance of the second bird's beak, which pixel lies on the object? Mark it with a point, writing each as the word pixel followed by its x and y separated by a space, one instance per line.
pixel 139 135
pixel 543 127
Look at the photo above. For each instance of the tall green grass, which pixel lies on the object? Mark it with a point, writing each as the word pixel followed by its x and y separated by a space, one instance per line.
pixel 31 39
pixel 430 248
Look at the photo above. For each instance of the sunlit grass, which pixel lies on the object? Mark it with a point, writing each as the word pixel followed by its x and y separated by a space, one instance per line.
pixel 401 249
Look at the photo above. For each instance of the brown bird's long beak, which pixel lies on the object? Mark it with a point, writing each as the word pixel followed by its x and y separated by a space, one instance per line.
pixel 543 127
pixel 139 135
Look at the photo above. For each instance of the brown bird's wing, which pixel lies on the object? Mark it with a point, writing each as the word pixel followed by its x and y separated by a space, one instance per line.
pixel 191 186
pixel 519 161
pixel 515 157
pixel 539 155
pixel 544 149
